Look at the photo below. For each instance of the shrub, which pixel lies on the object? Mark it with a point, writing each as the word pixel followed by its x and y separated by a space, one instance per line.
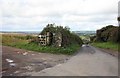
pixel 108 33
pixel 68 38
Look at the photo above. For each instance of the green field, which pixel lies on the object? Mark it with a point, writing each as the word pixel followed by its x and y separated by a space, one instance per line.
pixel 85 38
pixel 107 45
pixel 23 42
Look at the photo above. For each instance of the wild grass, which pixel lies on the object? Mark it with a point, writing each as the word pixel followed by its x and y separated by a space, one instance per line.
pixel 107 45
pixel 22 42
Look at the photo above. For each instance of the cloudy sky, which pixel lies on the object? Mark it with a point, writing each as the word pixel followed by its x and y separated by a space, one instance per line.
pixel 33 15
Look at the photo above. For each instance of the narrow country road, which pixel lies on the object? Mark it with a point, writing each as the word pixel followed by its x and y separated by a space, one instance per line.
pixel 88 62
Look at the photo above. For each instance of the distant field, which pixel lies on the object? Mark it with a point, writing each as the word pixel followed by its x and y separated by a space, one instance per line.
pixel 13 39
pixel 85 38
pixel 107 45
pixel 16 34
pixel 23 42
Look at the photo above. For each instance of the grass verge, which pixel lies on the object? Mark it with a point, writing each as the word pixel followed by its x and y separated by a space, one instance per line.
pixel 48 49
pixel 107 45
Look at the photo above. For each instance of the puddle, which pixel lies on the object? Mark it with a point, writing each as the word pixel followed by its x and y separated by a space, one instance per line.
pixel 40 65
pixel 18 52
pixel 3 72
pixel 38 62
pixel 4 69
pixel 25 53
pixel 16 72
pixel 28 68
pixel 12 64
pixel 83 45
pixel 33 54
pixel 9 60
pixel 32 64
pixel 11 74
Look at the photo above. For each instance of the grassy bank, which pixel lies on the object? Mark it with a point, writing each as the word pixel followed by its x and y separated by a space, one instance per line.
pixel 22 42
pixel 107 45
pixel 48 49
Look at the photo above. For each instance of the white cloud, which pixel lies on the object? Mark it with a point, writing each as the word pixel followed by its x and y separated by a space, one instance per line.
pixel 77 14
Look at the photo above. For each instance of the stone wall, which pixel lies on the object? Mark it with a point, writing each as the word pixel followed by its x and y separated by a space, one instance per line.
pixel 50 39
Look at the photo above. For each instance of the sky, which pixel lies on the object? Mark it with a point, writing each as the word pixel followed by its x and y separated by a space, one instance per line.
pixel 79 15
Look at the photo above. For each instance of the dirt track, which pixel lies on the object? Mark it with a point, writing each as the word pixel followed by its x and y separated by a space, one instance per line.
pixel 27 61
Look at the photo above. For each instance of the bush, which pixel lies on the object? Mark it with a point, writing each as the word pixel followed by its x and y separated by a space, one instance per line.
pixel 108 33
pixel 68 38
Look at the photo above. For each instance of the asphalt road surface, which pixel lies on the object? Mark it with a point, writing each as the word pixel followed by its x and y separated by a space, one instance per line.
pixel 88 62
